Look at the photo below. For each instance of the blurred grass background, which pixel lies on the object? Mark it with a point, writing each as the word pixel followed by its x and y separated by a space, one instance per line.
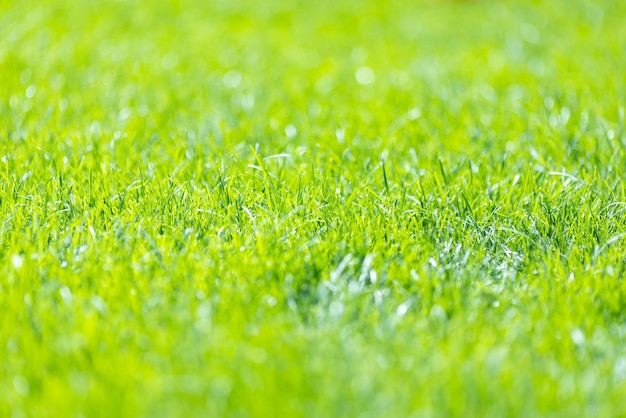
pixel 226 69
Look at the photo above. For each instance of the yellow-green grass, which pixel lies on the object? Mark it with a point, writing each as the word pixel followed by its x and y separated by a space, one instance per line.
pixel 333 208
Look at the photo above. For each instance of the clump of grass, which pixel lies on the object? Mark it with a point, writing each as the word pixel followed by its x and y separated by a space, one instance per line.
pixel 197 220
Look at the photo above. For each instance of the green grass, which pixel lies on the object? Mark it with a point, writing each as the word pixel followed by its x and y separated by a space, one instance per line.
pixel 320 209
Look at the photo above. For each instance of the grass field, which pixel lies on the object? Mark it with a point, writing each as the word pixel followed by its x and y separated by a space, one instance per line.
pixel 312 209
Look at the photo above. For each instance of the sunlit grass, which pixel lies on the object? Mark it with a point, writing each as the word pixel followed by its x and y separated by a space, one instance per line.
pixel 334 208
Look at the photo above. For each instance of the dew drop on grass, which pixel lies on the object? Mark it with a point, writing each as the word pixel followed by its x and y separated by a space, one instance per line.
pixel 365 75
pixel 340 135
pixel 402 309
pixel 610 134
pixel 232 79
pixel 95 128
pixel 17 261
pixel 31 91
pixel 66 295
pixel 125 114
pixel 270 300
pixel 291 131
pixel 99 303
pixel 247 101
pixel 432 262
pixel 437 312
pixel 204 312
pixel 414 114
pixel 578 337
pixel 21 386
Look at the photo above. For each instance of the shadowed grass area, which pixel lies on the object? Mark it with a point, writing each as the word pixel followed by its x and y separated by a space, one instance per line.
pixel 333 208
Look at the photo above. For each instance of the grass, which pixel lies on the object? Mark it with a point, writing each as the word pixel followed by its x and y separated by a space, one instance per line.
pixel 333 208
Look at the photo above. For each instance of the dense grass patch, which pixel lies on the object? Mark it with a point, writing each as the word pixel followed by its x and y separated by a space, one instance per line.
pixel 333 208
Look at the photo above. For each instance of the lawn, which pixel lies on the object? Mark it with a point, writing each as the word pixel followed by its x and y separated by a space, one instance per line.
pixel 340 208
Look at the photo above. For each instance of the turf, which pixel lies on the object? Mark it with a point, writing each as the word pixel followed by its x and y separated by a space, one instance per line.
pixel 317 209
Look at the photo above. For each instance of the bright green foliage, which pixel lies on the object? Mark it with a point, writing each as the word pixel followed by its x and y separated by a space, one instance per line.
pixel 321 208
